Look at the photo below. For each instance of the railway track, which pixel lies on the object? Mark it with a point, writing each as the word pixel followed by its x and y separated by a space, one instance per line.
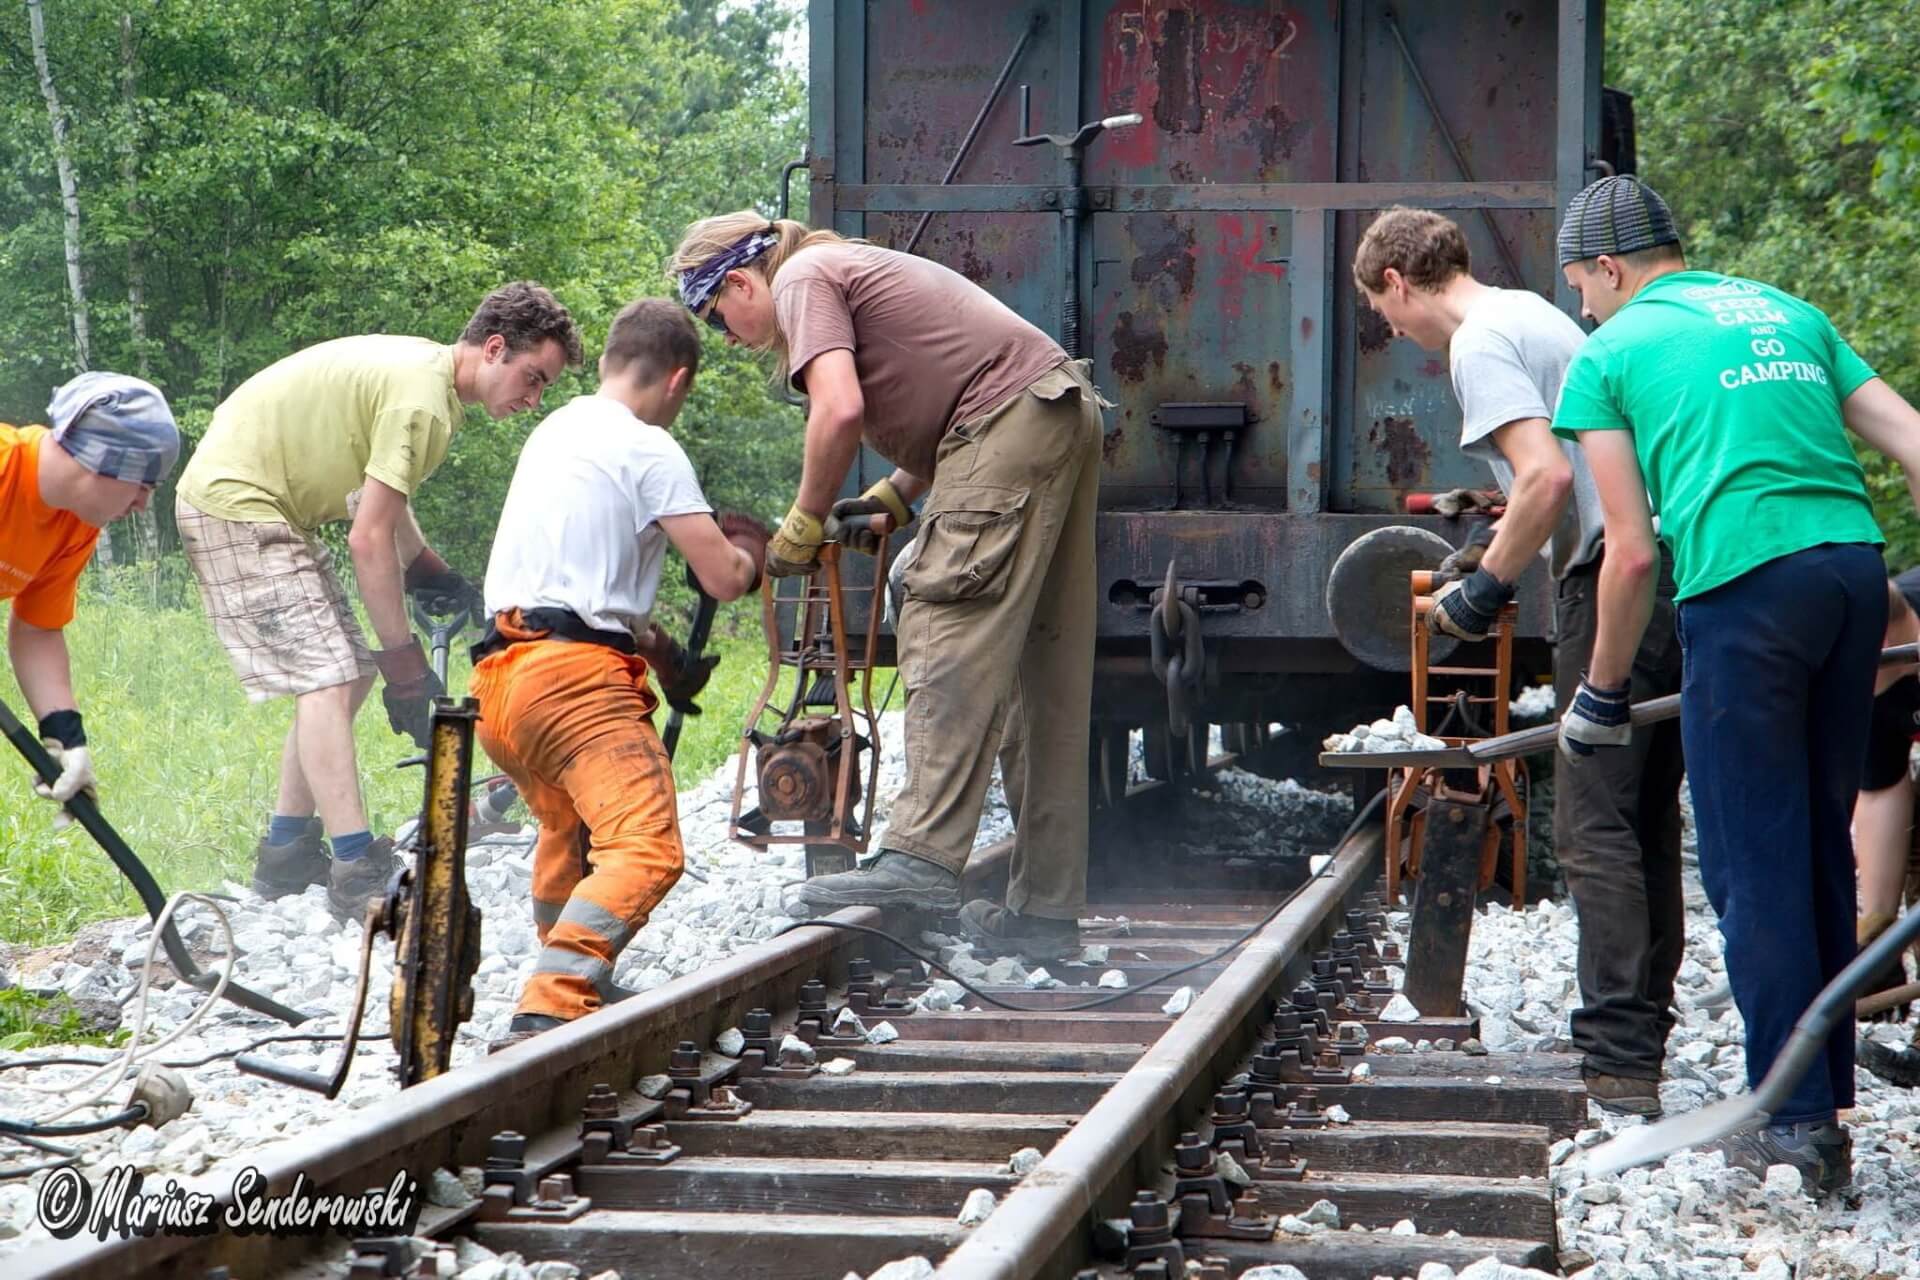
pixel 762 1166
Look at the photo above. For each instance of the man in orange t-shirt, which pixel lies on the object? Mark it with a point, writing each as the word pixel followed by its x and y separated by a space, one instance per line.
pixel 112 439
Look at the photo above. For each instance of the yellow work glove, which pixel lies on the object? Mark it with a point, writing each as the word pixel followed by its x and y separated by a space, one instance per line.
pixel 795 548
pixel 851 520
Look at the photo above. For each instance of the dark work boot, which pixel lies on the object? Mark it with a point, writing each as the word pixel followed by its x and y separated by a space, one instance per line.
pixel 890 880
pixel 282 869
pixel 994 928
pixel 1623 1095
pixel 352 885
pixel 525 1026
pixel 1896 1064
pixel 1823 1153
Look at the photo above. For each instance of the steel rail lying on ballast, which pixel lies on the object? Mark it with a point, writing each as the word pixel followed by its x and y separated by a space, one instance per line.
pixel 1045 1224
pixel 535 1088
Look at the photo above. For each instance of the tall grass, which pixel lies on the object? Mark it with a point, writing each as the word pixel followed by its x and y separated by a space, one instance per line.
pixel 188 766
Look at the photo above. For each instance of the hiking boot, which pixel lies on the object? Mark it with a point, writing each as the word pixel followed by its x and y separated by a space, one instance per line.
pixel 890 880
pixel 1896 1064
pixel 352 885
pixel 283 869
pixel 525 1026
pixel 1823 1153
pixel 1622 1095
pixel 994 928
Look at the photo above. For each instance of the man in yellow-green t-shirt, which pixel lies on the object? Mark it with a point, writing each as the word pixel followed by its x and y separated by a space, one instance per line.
pixel 344 431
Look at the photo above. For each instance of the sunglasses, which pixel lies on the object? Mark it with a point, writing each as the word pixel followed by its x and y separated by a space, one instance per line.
pixel 718 321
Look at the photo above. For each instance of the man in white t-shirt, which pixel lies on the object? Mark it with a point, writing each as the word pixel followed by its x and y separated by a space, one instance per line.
pixel 601 488
pixel 1616 814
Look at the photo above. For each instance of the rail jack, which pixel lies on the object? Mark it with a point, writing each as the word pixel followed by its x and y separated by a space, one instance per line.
pixel 807 764
pixel 1445 825
pixel 434 925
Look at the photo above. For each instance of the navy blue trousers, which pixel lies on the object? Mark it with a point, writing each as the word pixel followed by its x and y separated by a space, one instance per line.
pixel 1774 708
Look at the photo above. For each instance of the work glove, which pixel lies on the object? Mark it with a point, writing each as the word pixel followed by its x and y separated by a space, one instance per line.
pixel 1457 502
pixel 1463 561
pixel 678 674
pixel 795 549
pixel 65 739
pixel 851 519
pixel 1468 607
pixel 1597 718
pixel 441 591
pixel 409 691
pixel 750 536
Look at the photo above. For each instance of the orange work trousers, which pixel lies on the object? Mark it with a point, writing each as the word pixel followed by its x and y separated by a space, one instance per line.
pixel 572 725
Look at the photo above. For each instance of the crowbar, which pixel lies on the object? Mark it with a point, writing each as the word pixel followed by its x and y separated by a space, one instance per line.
pixel 88 815
pixel 1526 742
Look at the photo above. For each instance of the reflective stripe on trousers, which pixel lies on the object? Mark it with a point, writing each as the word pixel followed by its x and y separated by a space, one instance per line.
pixel 571 724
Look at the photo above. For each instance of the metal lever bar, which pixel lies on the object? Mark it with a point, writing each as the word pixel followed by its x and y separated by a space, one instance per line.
pixel 1530 741
pixel 88 815
pixel 328 1086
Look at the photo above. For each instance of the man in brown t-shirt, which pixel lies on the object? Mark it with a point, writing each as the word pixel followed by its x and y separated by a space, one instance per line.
pixel 987 416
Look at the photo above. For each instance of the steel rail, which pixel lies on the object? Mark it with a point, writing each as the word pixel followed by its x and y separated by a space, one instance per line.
pixel 1044 1225
pixel 535 1088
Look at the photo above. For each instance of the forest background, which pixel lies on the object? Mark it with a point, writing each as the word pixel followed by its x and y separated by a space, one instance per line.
pixel 237 179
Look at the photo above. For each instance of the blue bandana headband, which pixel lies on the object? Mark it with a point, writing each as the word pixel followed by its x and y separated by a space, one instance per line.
pixel 698 286
pixel 115 426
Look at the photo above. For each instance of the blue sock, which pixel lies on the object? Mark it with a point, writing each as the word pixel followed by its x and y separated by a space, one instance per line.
pixel 284 830
pixel 351 847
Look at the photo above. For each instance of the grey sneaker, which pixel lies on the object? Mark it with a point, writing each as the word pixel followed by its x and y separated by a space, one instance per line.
pixel 890 880
pixel 352 885
pixel 994 928
pixel 1623 1095
pixel 282 869
pixel 1823 1153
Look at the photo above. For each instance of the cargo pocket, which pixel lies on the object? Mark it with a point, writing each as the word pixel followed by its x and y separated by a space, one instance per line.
pixel 966 545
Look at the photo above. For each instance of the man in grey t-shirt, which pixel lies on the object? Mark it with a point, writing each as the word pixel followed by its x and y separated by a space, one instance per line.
pixel 1616 814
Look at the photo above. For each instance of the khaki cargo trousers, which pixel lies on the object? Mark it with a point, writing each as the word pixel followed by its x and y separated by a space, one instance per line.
pixel 996 635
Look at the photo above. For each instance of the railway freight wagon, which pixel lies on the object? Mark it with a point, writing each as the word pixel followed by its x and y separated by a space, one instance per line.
pixel 1264 418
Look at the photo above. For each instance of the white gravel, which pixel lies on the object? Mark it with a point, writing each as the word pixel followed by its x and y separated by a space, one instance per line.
pixel 1396 733
pixel 1692 1217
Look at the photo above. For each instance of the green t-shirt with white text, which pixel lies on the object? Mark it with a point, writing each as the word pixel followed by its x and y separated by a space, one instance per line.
pixel 1732 390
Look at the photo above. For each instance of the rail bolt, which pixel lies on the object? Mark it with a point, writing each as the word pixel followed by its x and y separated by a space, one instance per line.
pixel 684 1062
pixel 1229 1104
pixel 859 969
pixel 1192 1155
pixel 601 1104
pixel 1152 1223
pixel 813 996
pixel 759 1023
pixel 506 1150
pixel 555 1189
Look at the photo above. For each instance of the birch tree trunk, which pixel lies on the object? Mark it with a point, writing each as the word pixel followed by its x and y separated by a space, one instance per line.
pixel 146 528
pixel 69 192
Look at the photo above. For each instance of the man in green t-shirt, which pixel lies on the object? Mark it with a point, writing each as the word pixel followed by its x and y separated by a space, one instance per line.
pixel 344 431
pixel 1724 404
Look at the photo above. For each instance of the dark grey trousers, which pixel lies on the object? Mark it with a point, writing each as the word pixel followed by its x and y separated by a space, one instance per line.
pixel 1616 832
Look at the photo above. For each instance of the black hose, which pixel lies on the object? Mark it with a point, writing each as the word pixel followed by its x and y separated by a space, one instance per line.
pixel 130 1115
pixel 1359 820
pixel 191 1063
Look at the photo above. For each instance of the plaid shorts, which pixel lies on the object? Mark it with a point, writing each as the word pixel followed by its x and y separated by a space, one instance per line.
pixel 275 603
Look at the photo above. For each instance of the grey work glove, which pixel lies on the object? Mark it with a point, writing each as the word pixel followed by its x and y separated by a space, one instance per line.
pixel 1596 718
pixel 65 739
pixel 1467 608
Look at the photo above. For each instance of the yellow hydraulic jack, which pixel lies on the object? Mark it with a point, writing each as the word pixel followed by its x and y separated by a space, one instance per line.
pixel 434 925
pixel 807 764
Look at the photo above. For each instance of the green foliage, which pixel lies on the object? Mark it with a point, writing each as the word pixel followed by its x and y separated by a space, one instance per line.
pixel 28 1021
pixel 303 169
pixel 188 766
pixel 1784 135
